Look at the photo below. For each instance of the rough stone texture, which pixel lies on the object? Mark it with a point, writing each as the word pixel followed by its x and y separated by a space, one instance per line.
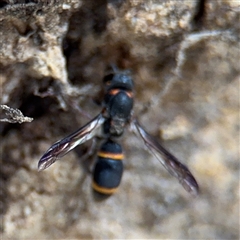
pixel 184 56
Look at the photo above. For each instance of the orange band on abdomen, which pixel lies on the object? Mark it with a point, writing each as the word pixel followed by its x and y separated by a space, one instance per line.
pixel 103 190
pixel 114 156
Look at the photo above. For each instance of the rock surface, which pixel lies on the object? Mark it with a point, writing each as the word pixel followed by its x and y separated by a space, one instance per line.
pixel 184 56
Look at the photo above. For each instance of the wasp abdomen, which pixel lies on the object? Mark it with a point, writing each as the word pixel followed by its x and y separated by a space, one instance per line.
pixel 108 169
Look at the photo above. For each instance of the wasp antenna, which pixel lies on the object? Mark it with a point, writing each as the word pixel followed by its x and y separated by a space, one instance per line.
pixel 114 68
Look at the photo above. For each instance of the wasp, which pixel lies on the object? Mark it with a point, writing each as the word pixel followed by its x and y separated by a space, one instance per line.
pixel 110 123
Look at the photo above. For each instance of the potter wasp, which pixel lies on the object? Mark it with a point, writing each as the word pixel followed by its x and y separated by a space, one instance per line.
pixel 110 123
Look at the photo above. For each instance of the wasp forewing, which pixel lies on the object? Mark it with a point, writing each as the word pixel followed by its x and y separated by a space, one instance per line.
pixel 173 166
pixel 62 147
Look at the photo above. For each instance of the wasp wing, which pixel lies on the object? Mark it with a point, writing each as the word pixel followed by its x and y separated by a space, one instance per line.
pixel 62 147
pixel 173 166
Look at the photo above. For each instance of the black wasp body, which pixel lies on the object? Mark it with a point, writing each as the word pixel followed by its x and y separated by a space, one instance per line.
pixel 108 170
pixel 111 122
pixel 118 102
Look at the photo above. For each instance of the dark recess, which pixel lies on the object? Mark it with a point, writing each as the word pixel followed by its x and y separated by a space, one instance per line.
pixel 199 15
